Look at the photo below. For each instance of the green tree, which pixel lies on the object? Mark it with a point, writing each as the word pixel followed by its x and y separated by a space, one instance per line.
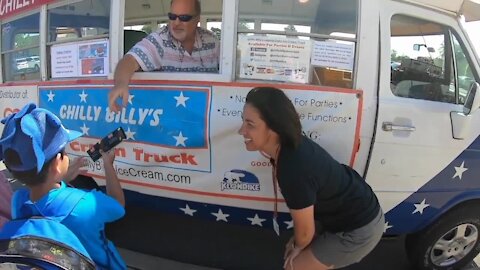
pixel 397 58
pixel 290 28
pixel 243 26
pixel 27 40
pixel 147 28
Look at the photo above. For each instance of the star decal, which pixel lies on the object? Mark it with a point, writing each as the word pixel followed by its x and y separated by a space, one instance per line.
pixel 181 100
pixel 50 96
pixel 419 207
pixel 221 216
pixel 188 211
pixel 130 134
pixel 386 227
pixel 83 97
pixel 256 220
pixel 85 129
pixel 459 171
pixel 180 139
pixel 289 224
pixel 130 99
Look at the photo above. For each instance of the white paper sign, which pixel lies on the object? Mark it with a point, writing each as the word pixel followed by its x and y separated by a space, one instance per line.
pixel 84 59
pixel 333 55
pixel 64 61
pixel 274 58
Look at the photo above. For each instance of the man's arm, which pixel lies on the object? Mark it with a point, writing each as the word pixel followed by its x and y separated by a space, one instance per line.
pixel 114 189
pixel 121 78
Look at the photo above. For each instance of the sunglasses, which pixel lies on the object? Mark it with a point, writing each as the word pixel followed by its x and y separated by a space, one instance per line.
pixel 182 18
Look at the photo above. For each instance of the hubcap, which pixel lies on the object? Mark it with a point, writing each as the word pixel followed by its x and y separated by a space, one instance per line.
pixel 454 245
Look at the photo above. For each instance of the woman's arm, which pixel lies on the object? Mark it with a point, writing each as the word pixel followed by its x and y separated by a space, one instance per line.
pixel 304 226
pixel 304 230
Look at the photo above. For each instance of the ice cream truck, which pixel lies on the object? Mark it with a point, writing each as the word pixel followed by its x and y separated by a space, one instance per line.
pixel 388 87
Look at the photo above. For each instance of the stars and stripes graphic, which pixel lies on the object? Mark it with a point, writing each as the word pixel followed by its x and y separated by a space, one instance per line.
pixel 436 196
pixel 214 212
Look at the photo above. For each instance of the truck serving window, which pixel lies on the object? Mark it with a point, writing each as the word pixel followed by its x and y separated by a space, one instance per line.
pixel 20 48
pixel 428 62
pixel 309 43
pixel 82 26
pixel 143 18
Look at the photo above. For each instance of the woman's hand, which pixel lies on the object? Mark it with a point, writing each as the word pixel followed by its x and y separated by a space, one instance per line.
pixel 289 247
pixel 304 231
pixel 291 252
pixel 77 166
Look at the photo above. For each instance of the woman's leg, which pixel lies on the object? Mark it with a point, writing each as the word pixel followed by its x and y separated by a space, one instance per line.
pixel 337 250
pixel 307 261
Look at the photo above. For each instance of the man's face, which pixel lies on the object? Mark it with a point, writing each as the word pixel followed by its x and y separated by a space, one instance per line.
pixel 180 30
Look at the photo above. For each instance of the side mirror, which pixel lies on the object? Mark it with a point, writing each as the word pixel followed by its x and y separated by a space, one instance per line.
pixel 417 47
pixel 472 101
pixel 462 121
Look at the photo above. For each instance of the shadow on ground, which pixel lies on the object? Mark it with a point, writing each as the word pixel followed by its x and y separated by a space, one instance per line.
pixel 199 242
pixel 225 246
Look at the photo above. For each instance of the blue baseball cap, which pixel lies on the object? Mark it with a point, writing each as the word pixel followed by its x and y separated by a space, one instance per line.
pixel 36 134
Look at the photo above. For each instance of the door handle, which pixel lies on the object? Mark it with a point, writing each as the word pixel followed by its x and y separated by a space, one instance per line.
pixel 389 126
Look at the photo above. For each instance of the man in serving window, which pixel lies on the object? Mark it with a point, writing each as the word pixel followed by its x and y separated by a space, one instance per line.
pixel 181 46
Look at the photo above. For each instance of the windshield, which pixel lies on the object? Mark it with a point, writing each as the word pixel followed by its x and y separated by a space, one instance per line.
pixel 474 34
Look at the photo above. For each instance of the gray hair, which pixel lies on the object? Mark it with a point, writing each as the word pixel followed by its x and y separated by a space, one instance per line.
pixel 198 7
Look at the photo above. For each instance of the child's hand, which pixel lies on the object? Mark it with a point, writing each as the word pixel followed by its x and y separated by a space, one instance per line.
pixel 108 157
pixel 77 166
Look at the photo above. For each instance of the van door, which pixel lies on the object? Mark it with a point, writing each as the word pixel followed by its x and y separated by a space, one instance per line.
pixel 414 156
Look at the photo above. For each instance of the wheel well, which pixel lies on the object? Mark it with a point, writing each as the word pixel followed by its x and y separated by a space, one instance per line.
pixel 466 204
pixel 421 245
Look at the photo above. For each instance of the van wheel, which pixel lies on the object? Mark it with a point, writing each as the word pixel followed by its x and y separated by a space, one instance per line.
pixel 36 68
pixel 450 243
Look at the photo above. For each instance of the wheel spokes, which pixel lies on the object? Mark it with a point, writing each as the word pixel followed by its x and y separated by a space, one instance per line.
pixel 454 245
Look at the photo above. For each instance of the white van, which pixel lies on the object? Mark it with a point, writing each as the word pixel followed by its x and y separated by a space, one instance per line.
pixel 31 63
pixel 388 87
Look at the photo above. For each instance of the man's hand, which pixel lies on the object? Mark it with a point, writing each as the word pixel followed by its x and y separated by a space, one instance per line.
pixel 115 93
pixel 77 166
pixel 121 79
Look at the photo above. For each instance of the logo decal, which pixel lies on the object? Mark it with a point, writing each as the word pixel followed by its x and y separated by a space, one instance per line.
pixel 240 180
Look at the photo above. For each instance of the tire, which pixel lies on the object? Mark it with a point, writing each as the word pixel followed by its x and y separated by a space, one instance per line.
pixel 36 68
pixel 450 243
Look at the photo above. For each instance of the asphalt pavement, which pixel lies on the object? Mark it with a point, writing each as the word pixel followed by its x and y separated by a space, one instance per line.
pixel 184 243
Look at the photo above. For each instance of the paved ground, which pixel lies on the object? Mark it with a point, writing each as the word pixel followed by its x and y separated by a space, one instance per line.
pixel 139 261
pixel 212 245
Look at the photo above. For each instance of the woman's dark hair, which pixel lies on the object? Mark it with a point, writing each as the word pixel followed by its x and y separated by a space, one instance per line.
pixel 31 177
pixel 278 112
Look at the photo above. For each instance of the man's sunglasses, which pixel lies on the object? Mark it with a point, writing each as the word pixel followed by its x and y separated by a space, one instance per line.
pixel 182 18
